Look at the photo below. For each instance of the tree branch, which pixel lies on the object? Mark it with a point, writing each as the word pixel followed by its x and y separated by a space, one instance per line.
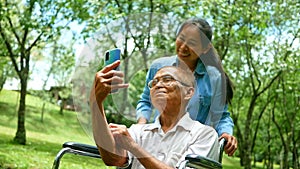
pixel 13 29
pixel 269 85
pixel 259 118
pixel 276 123
pixel 249 64
pixel 10 51
pixel 35 42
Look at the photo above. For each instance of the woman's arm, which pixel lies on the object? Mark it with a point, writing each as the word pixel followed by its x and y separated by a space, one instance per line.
pixel 218 114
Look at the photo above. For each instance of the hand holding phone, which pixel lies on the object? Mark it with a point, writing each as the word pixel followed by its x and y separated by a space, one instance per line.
pixel 110 57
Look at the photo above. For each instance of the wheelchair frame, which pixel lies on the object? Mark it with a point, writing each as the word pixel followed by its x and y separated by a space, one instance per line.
pixel 191 160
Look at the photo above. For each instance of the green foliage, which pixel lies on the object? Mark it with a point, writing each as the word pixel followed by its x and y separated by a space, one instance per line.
pixel 257 49
pixel 257 42
pixel 136 86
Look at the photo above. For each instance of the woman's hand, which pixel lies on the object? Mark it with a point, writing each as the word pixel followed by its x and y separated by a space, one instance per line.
pixel 231 144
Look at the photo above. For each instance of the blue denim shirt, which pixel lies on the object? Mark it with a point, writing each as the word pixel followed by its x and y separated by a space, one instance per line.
pixel 205 106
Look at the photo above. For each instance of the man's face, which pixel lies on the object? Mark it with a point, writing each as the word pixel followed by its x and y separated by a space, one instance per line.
pixel 167 89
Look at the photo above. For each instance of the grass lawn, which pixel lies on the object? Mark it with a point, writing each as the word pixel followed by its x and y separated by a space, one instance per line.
pixel 231 162
pixel 38 154
pixel 44 139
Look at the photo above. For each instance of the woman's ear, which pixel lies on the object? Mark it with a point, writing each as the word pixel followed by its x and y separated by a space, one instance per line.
pixel 209 46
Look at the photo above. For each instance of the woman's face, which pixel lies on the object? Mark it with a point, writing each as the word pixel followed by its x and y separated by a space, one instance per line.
pixel 188 44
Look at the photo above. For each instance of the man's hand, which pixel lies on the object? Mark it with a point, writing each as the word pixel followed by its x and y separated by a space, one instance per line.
pixel 105 81
pixel 121 136
pixel 231 144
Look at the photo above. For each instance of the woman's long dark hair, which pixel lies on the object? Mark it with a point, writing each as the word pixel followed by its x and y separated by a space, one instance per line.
pixel 210 57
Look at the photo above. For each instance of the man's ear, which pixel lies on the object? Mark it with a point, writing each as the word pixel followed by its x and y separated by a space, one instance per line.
pixel 189 93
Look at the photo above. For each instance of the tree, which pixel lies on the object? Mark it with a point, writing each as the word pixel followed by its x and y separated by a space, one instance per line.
pixel 25 26
pixel 62 66
pixel 250 37
pixel 286 104
pixel 5 71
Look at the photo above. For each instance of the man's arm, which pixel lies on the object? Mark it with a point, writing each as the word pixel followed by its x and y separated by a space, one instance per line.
pixel 104 139
pixel 224 129
pixel 110 153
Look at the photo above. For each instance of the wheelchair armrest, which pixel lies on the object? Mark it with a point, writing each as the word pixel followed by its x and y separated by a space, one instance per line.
pixel 81 147
pixel 77 149
pixel 222 144
pixel 197 161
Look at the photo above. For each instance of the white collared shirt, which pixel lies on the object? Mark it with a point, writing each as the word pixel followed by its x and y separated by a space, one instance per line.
pixel 186 137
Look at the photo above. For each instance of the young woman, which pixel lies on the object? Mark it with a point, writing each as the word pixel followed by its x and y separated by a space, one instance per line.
pixel 214 90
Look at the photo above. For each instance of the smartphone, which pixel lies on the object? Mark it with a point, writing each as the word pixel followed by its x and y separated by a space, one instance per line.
pixel 111 56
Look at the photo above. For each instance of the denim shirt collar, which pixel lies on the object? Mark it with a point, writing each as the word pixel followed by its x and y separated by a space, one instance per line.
pixel 200 68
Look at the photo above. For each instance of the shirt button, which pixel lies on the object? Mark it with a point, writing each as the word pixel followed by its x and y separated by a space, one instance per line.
pixel 161 156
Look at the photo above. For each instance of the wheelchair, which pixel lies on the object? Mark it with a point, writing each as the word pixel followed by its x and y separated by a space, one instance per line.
pixel 191 160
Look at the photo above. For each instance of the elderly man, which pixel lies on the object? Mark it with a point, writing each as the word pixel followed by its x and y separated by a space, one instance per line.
pixel 162 144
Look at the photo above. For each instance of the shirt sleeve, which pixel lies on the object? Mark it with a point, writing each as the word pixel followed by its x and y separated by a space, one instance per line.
pixel 225 124
pixel 218 116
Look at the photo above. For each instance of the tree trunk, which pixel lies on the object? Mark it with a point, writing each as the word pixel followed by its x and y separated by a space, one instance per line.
pixel 285 161
pixel 247 156
pixel 269 153
pixel 247 144
pixel 62 105
pixel 43 110
pixel 21 132
pixel 2 81
pixel 295 157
